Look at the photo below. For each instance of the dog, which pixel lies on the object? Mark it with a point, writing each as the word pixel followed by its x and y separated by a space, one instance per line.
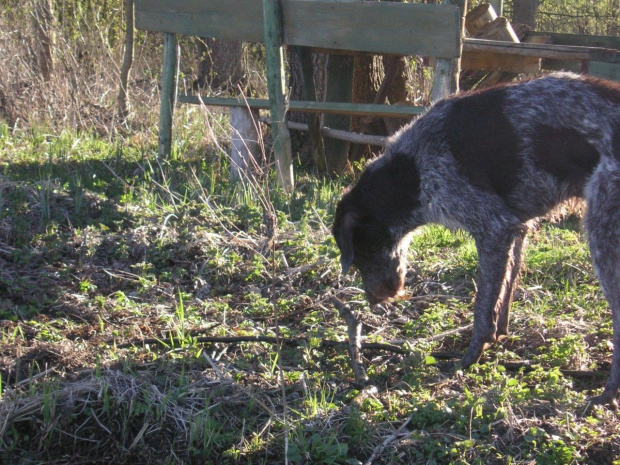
pixel 488 162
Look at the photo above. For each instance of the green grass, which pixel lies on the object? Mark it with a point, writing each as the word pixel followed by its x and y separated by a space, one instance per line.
pixel 113 264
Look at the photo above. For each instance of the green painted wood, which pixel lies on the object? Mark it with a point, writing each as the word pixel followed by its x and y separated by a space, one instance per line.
pixel 277 97
pixel 379 27
pixel 224 19
pixel 604 70
pixel 317 143
pixel 447 70
pixel 168 94
pixel 580 39
pixel 357 109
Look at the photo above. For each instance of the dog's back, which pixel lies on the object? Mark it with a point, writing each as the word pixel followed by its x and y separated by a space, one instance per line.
pixel 532 143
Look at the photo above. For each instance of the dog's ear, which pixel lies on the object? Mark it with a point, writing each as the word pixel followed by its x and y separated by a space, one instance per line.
pixel 349 221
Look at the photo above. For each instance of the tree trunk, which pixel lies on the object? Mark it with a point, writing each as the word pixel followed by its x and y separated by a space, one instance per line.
pixel 123 95
pixel 367 77
pixel 524 12
pixel 43 20
pixel 222 65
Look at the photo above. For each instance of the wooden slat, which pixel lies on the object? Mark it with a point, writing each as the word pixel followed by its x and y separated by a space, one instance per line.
pixel 380 27
pixel 484 61
pixel 583 40
pixel 359 109
pixel 556 52
pixel 224 19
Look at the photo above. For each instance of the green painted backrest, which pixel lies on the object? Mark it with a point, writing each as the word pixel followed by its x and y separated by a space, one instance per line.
pixel 378 27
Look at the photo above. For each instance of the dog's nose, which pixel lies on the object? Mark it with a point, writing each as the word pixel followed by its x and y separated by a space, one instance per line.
pixel 385 290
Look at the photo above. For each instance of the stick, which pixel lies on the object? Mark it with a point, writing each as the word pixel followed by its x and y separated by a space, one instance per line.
pixel 266 339
pixel 354 327
pixel 400 432
pixel 380 141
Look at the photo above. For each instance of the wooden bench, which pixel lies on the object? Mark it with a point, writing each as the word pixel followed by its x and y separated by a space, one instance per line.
pixel 350 26
pixel 342 26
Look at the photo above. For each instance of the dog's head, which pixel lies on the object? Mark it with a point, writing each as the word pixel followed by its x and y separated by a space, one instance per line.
pixel 371 225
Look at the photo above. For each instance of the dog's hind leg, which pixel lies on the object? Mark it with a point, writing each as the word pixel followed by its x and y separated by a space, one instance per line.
pixel 499 257
pixel 513 274
pixel 603 227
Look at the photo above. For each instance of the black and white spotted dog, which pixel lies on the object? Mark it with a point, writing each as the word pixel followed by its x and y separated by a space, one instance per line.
pixel 488 162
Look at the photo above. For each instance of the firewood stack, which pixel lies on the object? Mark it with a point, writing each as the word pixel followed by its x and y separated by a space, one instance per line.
pixel 481 69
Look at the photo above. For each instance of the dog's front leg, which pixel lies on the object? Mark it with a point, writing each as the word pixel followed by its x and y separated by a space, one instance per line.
pixel 499 256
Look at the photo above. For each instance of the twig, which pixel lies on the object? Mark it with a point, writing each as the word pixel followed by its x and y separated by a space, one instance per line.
pixel 266 339
pixel 400 432
pixel 354 329
pixel 434 338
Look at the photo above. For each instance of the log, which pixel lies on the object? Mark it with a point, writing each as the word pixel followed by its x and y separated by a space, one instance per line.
pixel 478 17
pixel 498 29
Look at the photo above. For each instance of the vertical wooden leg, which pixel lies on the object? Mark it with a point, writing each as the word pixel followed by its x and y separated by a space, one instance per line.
pixel 168 94
pixel 275 82
pixel 447 71
pixel 245 152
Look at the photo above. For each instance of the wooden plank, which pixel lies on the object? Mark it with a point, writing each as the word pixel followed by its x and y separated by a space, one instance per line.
pixel 357 109
pixel 583 40
pixel 484 61
pixel 277 97
pixel 399 28
pixel 556 52
pixel 168 94
pixel 379 27
pixel 229 19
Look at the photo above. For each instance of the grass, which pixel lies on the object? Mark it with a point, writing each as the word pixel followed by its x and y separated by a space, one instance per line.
pixel 114 264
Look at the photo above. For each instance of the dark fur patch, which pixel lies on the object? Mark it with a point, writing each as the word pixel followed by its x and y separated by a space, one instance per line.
pixel 383 183
pixel 615 145
pixel 483 141
pixel 564 153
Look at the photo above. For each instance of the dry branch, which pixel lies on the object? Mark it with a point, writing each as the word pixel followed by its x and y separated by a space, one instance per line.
pixel 265 339
pixel 380 141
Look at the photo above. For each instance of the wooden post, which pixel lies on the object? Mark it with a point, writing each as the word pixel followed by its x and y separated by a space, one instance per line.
pixel 168 94
pixel 447 70
pixel 478 17
pixel 277 98
pixel 245 151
